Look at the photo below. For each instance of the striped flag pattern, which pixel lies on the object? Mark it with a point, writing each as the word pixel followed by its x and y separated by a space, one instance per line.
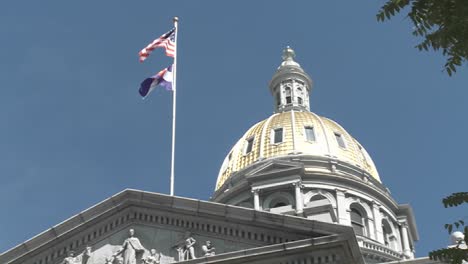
pixel 166 41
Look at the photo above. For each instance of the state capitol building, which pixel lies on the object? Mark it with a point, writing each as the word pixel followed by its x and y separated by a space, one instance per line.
pixel 296 188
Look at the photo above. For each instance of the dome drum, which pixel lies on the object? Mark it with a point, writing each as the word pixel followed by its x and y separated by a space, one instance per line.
pixel 305 168
pixel 305 186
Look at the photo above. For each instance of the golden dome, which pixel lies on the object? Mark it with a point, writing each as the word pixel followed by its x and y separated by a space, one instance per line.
pixel 302 133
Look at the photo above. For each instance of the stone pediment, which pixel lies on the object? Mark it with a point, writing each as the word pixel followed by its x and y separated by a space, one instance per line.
pixel 276 168
pixel 175 228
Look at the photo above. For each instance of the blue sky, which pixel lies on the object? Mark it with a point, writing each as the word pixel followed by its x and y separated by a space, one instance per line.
pixel 74 131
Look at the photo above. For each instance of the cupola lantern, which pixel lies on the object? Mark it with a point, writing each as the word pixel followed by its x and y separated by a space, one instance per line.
pixel 290 85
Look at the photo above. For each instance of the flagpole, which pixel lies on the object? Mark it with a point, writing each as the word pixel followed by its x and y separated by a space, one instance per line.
pixel 174 95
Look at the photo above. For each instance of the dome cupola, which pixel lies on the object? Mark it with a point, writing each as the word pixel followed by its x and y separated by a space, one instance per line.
pixel 290 85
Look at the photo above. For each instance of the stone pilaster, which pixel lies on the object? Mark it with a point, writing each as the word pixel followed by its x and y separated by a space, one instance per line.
pixel 256 199
pixel 378 232
pixel 343 215
pixel 406 246
pixel 299 197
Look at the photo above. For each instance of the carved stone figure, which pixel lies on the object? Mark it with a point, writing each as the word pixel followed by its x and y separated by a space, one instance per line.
pixel 208 249
pixel 185 247
pixel 72 259
pixel 109 260
pixel 120 260
pixel 153 258
pixel 189 250
pixel 131 249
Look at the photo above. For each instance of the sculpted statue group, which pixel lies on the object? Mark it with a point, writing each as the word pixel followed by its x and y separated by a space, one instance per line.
pixel 132 252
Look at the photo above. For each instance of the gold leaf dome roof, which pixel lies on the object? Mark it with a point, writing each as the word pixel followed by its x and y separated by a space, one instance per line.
pixel 324 142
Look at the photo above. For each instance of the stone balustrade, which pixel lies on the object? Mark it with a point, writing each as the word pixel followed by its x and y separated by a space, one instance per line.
pixel 378 249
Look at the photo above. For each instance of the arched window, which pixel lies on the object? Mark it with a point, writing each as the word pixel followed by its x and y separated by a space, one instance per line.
pixel 287 92
pixel 279 202
pixel 358 220
pixel 386 232
pixel 318 200
pixel 246 204
pixel 389 238
pixel 299 95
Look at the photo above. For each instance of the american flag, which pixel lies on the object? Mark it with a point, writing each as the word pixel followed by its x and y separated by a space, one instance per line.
pixel 167 41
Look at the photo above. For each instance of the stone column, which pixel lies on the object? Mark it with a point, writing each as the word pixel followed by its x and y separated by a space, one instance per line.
pixel 377 222
pixel 343 215
pixel 299 198
pixel 406 245
pixel 256 199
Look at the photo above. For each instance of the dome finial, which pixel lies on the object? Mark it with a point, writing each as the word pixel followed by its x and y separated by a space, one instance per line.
pixel 288 54
pixel 288 58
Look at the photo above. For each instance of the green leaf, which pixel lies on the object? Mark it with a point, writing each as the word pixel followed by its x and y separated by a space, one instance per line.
pixel 449 228
pixel 442 25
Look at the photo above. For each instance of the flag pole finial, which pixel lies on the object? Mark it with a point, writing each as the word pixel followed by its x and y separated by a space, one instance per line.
pixel 175 19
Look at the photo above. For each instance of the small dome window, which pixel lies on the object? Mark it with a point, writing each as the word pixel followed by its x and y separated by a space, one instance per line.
pixel 287 91
pixel 299 91
pixel 309 133
pixel 249 145
pixel 277 135
pixel 225 164
pixel 340 140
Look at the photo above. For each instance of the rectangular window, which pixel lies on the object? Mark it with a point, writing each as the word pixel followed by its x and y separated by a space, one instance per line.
pixel 340 140
pixel 278 135
pixel 299 100
pixel 309 133
pixel 288 99
pixel 249 146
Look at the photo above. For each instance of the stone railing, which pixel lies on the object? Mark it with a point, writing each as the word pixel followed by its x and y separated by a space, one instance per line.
pixel 376 247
